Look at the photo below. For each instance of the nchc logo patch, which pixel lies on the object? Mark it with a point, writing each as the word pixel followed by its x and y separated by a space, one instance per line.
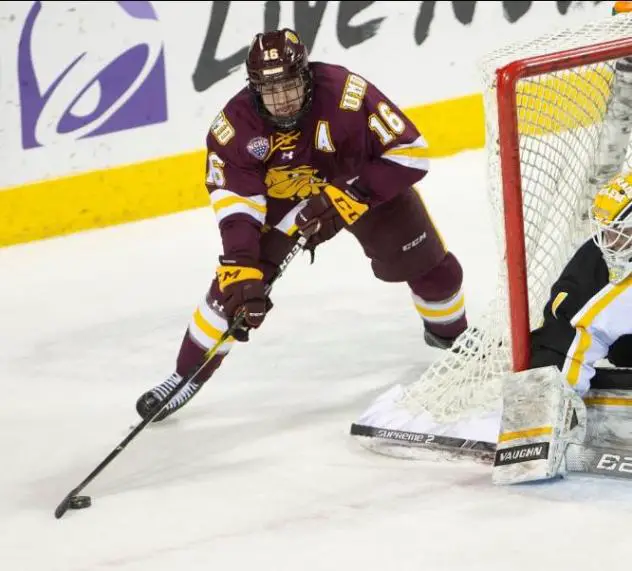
pixel 76 80
pixel 524 453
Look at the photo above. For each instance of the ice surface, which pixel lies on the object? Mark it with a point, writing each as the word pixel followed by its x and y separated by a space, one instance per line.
pixel 258 472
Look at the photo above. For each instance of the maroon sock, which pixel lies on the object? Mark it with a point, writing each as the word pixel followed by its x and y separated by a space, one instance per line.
pixel 439 285
pixel 190 357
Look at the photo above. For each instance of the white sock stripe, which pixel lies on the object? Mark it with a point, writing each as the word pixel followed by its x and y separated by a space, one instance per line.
pixel 205 342
pixel 212 317
pixel 201 338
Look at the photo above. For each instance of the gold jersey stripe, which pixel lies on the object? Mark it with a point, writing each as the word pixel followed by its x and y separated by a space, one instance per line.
pixel 415 152
pixel 231 200
pixel 584 323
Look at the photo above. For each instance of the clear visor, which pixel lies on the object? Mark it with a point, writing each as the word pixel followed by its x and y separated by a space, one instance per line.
pixel 283 98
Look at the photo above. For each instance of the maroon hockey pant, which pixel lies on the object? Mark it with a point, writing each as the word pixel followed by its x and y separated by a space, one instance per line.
pixel 402 245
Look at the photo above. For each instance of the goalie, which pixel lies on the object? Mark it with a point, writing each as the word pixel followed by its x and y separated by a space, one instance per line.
pixel 543 410
pixel 545 421
pixel 589 314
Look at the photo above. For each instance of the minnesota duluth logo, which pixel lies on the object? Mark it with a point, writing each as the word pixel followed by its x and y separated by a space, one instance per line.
pixel 293 183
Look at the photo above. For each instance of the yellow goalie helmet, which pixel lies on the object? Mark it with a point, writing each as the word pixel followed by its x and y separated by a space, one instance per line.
pixel 611 221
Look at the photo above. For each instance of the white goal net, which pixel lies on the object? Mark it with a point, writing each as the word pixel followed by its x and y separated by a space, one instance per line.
pixel 572 124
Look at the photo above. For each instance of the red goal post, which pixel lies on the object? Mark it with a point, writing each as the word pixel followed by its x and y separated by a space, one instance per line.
pixel 507 79
pixel 551 104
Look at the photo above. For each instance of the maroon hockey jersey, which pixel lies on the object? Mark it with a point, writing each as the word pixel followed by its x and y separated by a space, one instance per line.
pixel 352 131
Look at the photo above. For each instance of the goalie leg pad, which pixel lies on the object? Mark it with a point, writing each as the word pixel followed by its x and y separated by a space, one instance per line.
pixel 609 414
pixel 541 416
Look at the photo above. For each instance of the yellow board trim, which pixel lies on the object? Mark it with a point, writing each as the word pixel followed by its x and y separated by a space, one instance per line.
pixel 451 126
pixel 176 183
pixel 562 102
pixel 102 198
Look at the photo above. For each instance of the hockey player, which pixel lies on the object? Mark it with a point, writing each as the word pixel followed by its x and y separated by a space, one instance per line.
pixel 588 318
pixel 312 148
pixel 589 314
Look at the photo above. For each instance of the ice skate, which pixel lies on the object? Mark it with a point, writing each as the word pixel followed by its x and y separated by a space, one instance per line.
pixel 438 342
pixel 148 402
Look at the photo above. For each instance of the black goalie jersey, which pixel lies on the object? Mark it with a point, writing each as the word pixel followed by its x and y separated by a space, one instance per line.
pixel 586 319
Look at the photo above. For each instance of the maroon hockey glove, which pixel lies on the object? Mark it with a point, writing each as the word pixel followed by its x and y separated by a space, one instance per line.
pixel 244 294
pixel 327 213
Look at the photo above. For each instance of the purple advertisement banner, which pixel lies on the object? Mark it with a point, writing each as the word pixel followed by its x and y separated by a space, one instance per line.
pixel 88 96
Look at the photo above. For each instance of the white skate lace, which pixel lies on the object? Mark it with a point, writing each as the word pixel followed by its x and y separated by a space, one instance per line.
pixel 162 390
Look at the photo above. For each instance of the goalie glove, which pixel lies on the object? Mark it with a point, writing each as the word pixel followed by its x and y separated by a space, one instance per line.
pixel 328 212
pixel 541 416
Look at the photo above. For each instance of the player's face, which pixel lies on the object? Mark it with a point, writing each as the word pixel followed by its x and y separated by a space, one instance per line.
pixel 283 98
pixel 618 240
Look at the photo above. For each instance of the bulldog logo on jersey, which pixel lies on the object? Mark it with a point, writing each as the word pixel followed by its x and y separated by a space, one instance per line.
pixel 293 183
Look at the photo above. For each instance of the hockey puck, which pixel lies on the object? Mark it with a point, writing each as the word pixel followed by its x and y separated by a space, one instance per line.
pixel 80 502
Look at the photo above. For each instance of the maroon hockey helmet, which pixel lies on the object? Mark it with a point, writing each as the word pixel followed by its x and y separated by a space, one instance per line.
pixel 279 77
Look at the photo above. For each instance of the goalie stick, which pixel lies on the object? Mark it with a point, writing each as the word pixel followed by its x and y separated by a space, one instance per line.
pixel 608 461
pixel 72 499
pixel 382 438
pixel 408 439
pixel 580 458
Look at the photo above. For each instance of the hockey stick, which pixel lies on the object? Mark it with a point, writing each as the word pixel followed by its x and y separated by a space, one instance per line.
pixel 405 438
pixel 72 499
pixel 608 461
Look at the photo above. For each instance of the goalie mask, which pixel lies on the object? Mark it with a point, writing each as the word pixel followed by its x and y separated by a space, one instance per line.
pixel 611 220
pixel 279 77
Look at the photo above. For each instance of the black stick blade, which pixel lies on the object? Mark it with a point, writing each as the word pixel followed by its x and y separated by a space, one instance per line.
pixel 62 508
